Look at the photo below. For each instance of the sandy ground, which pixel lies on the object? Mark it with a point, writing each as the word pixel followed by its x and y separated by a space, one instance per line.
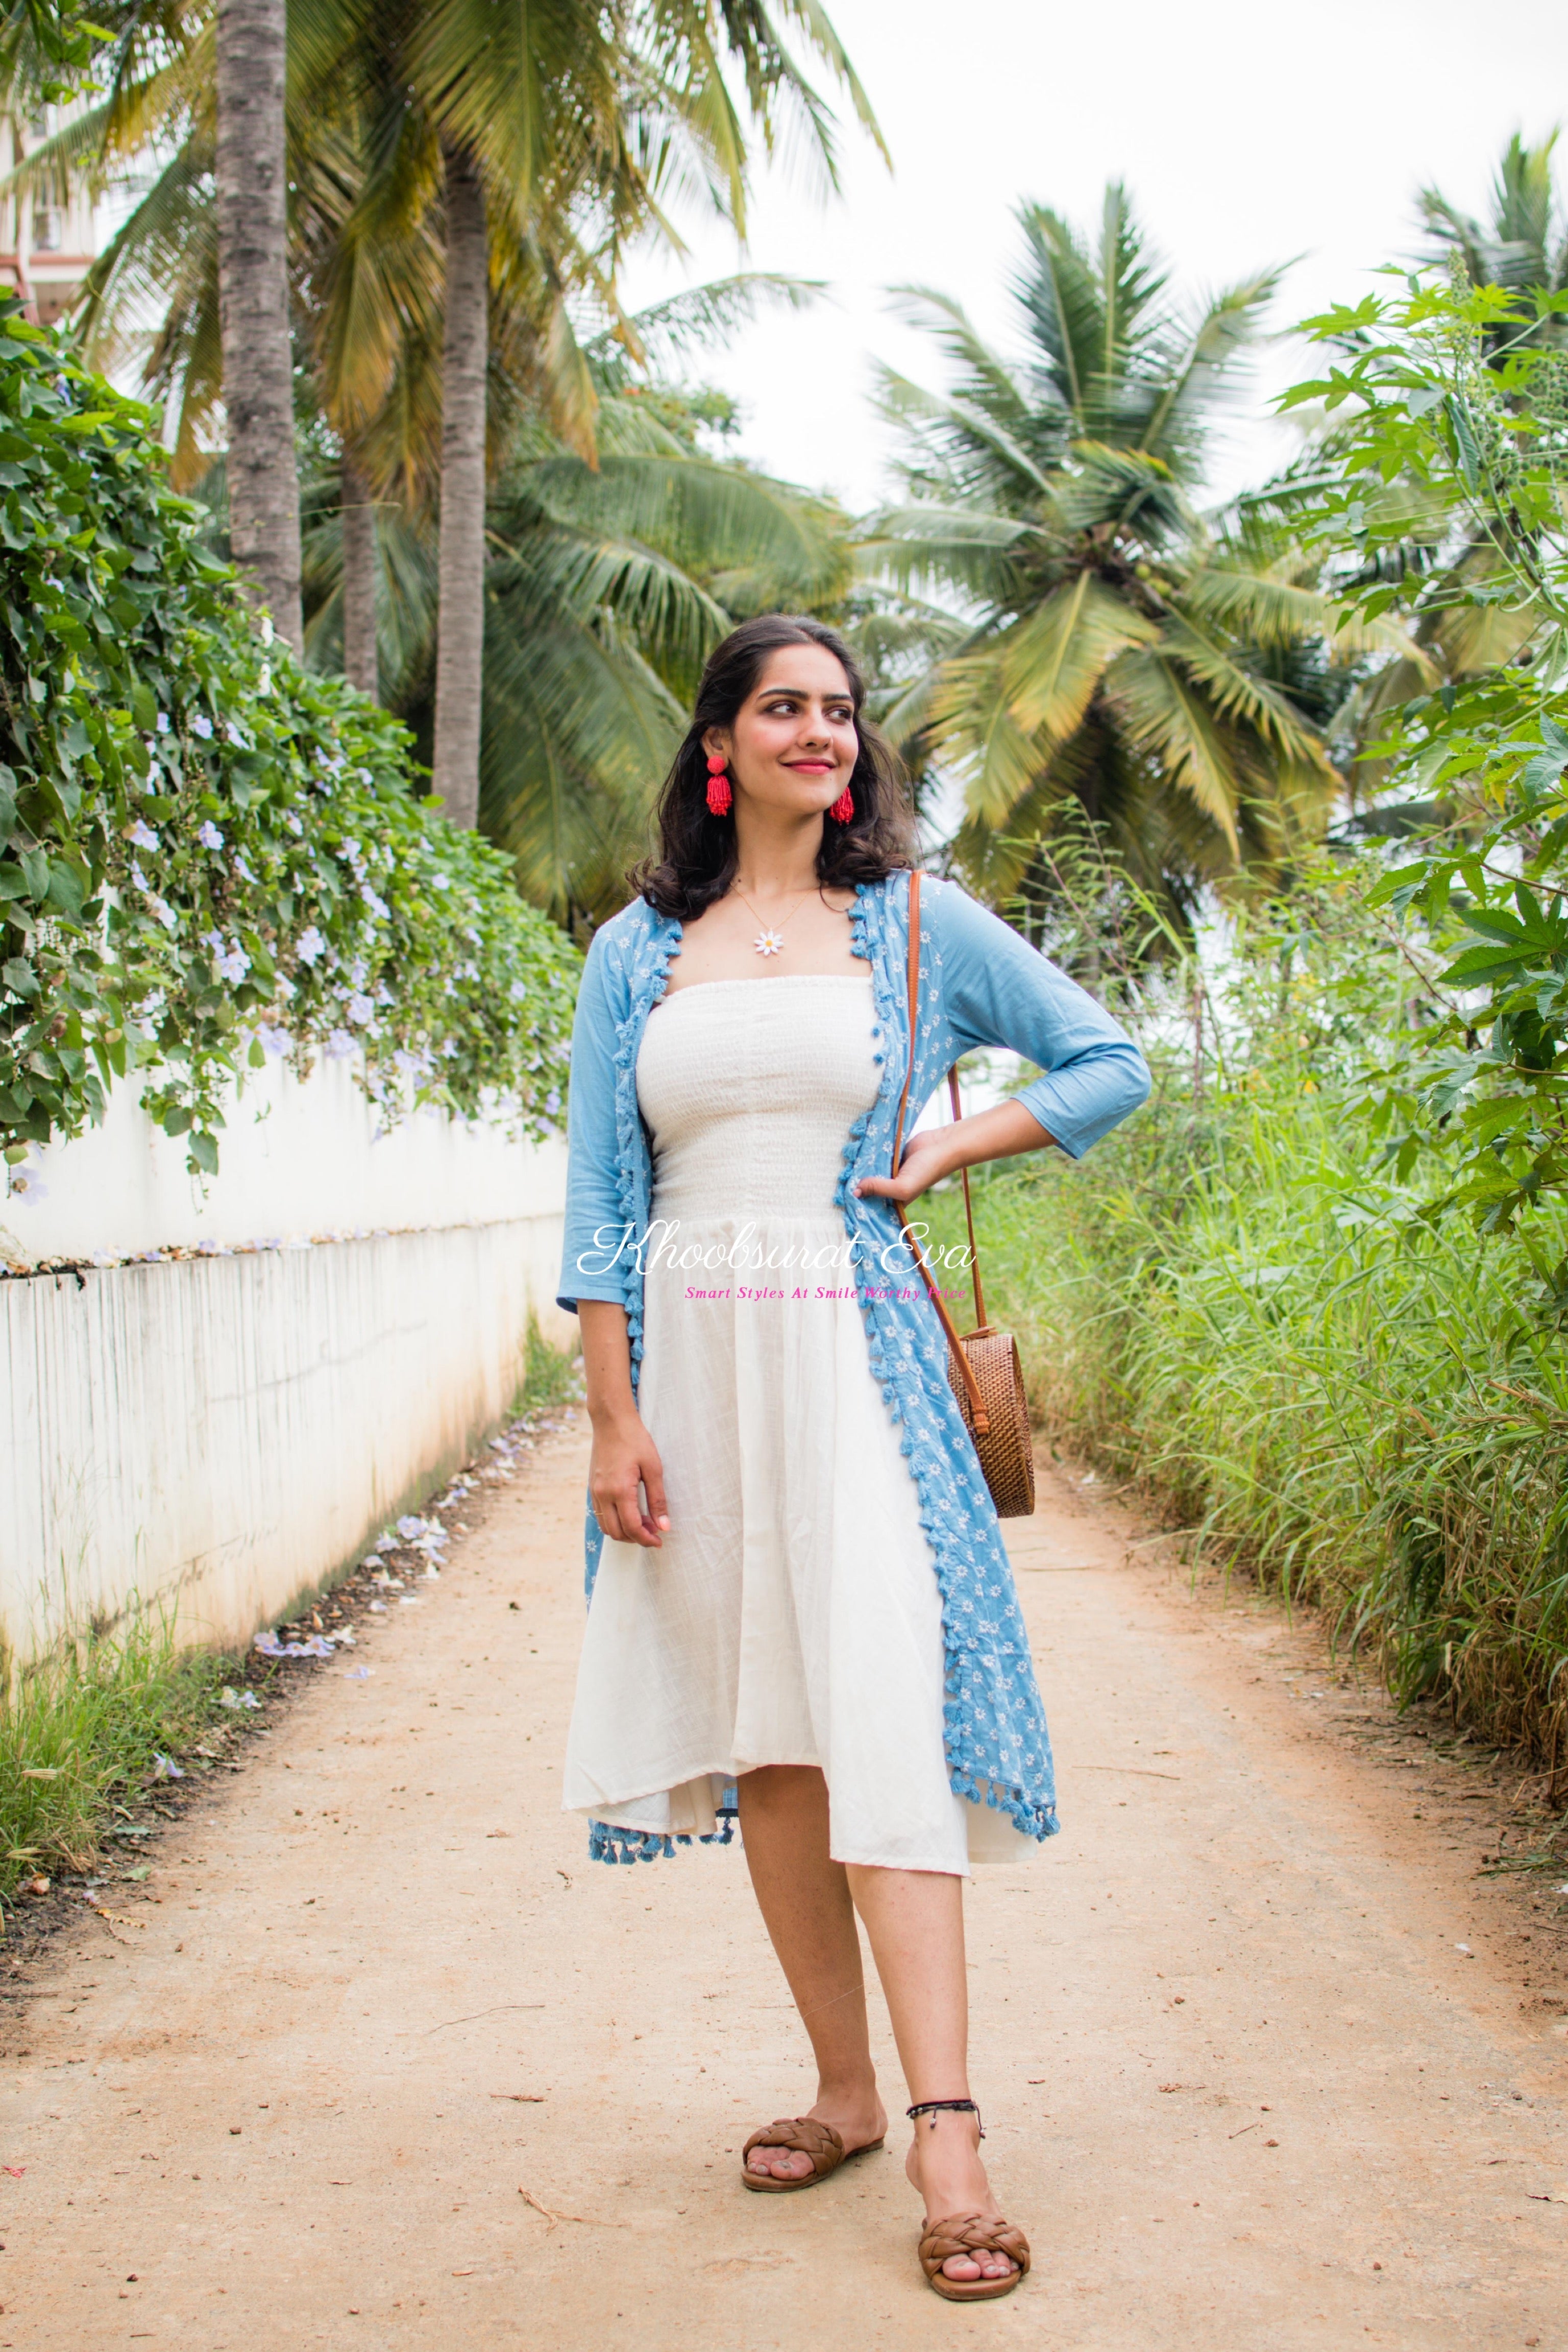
pixel 387 2062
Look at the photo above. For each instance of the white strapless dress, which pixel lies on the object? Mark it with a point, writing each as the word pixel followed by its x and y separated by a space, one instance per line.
pixel 792 1615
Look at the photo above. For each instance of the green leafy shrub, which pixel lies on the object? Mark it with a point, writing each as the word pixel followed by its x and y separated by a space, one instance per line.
pixel 207 853
pixel 1441 494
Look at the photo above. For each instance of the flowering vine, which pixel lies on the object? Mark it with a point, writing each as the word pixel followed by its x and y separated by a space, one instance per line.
pixel 209 855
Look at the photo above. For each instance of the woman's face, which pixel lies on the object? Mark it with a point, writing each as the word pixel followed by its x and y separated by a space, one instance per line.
pixel 791 745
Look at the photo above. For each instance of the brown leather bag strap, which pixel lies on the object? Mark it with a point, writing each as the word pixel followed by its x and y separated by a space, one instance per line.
pixel 980 1322
pixel 979 1418
pixel 914 1006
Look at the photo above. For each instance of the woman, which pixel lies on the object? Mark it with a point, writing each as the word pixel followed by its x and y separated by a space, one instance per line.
pixel 800 1605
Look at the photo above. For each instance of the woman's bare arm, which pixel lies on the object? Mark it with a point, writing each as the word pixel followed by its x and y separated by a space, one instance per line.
pixel 625 1458
pixel 939 1152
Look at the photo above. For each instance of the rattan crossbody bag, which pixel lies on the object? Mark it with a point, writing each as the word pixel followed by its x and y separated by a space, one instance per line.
pixel 983 1366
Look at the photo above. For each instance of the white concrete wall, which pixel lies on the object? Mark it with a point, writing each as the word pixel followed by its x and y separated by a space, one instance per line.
pixel 232 1387
pixel 300 1161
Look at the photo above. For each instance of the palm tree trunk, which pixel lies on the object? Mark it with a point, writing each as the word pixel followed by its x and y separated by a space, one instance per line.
pixel 361 664
pixel 460 659
pixel 253 302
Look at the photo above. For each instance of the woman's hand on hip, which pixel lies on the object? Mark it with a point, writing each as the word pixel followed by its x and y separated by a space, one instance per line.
pixel 623 1470
pixel 938 1151
pixel 924 1163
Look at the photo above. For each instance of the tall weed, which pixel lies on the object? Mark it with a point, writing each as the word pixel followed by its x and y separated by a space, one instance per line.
pixel 1233 1302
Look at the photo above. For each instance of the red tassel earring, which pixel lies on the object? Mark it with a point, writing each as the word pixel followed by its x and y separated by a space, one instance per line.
pixel 843 808
pixel 719 794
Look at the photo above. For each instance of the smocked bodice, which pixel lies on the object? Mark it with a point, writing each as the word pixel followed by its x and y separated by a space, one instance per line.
pixel 750 1089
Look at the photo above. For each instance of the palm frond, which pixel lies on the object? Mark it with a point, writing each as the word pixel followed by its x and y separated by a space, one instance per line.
pixel 1167 719
pixel 1168 413
pixel 1002 709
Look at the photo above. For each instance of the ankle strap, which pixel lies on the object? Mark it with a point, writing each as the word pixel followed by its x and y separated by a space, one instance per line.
pixel 934 2107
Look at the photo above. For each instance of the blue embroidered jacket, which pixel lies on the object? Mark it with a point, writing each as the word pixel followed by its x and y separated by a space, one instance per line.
pixel 980 985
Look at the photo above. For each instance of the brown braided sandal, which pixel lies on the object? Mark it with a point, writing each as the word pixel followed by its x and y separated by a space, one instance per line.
pixel 967 2233
pixel 819 2141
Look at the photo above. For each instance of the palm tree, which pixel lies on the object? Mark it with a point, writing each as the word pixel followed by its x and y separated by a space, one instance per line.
pixel 606 588
pixel 253 297
pixel 1110 646
pixel 1458 629
pixel 1523 246
pixel 557 132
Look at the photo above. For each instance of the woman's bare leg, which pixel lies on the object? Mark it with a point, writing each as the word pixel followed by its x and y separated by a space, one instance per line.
pixel 803 1896
pixel 914 1919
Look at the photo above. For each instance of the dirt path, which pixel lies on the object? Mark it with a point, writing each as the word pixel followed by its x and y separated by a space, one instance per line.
pixel 1243 2085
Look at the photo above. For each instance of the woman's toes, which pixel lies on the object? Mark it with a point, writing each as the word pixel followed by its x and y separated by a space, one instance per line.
pixel 961 2266
pixel 779 2163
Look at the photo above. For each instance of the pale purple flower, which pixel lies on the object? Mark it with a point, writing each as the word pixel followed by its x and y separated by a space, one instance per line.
pixel 139 878
pixel 242 867
pixel 274 1042
pixel 517 991
pixel 141 834
pixel 408 1526
pixel 294 825
pixel 162 912
pixel 162 722
pixel 341 1045
pixel 441 881
pixel 376 903
pixel 25 1185
pixel 233 963
pixel 309 945
pixel 208 835
pixel 360 1009
pixel 201 725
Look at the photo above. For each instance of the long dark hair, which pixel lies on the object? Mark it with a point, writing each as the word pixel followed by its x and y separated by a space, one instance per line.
pixel 696 863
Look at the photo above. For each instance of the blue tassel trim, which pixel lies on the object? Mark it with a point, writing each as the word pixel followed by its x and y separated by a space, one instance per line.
pixel 609 1844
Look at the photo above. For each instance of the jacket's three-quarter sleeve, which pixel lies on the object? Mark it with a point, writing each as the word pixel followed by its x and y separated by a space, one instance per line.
pixel 999 990
pixel 593 1253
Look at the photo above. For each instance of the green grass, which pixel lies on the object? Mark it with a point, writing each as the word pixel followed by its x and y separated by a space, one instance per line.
pixel 80 1734
pixel 551 1376
pixel 1229 1306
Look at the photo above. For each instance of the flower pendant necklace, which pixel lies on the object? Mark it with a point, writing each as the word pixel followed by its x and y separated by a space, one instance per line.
pixel 768 940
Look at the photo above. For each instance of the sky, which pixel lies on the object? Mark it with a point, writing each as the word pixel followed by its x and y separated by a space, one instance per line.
pixel 1250 134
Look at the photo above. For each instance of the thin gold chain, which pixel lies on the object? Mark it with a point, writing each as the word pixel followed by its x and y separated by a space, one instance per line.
pixel 776 928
